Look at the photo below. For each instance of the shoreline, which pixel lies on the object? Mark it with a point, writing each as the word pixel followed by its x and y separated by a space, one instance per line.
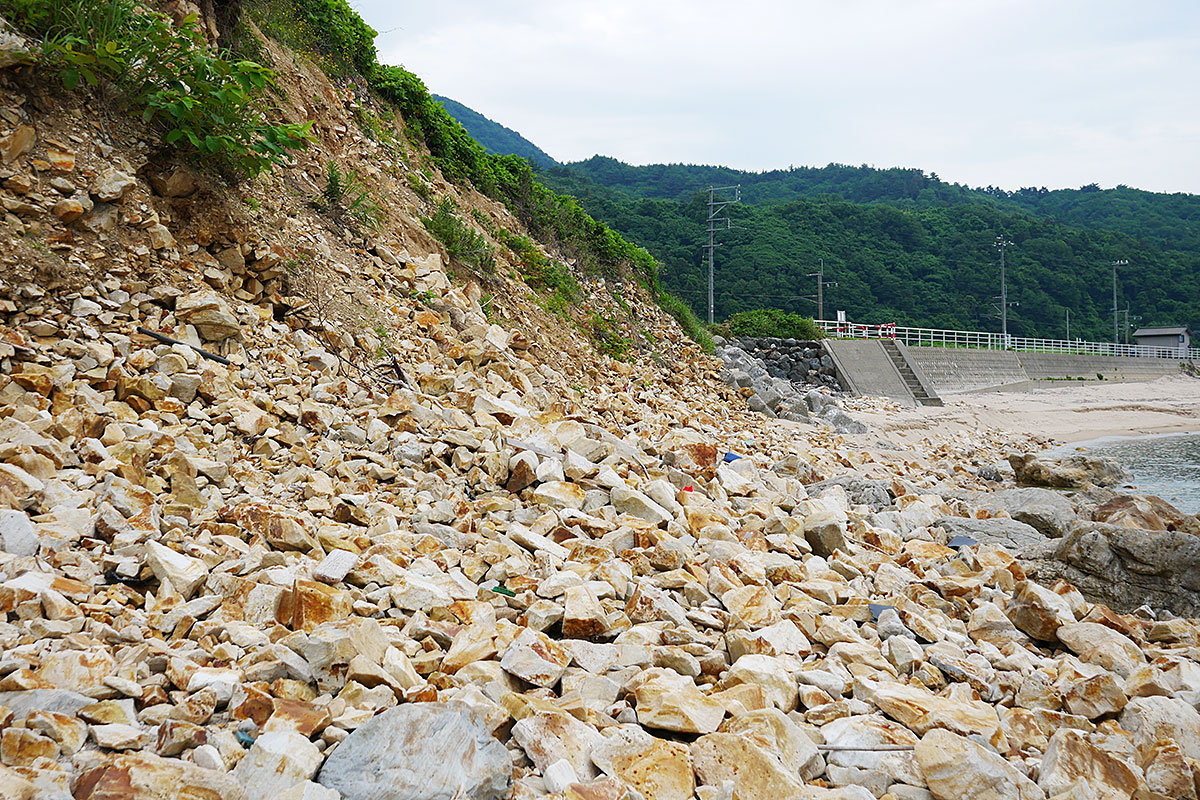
pixel 1070 414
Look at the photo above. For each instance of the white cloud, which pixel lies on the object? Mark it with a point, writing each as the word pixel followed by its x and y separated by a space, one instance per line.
pixel 1003 92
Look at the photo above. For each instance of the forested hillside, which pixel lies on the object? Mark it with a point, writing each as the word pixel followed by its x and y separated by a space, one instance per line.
pixel 907 247
pixel 493 136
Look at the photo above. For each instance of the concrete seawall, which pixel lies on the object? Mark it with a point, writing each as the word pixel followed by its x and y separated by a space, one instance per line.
pixel 864 368
pixel 955 370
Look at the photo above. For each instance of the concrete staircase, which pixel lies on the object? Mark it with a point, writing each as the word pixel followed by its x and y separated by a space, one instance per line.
pixel 919 392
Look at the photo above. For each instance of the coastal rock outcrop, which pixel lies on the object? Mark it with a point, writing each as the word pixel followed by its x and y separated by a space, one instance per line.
pixel 1124 567
pixel 1068 472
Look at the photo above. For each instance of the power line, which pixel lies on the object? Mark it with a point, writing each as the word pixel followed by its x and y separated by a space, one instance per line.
pixel 747 294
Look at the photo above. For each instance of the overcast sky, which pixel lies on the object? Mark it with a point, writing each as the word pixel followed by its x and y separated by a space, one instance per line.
pixel 1012 93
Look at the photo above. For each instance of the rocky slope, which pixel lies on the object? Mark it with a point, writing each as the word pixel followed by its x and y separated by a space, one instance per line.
pixel 253 563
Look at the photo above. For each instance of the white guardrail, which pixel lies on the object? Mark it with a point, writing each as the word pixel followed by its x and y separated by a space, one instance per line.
pixel 979 340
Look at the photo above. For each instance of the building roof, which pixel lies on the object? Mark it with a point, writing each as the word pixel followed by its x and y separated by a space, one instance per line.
pixel 1163 330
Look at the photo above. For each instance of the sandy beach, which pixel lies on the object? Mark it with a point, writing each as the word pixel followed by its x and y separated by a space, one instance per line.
pixel 1067 413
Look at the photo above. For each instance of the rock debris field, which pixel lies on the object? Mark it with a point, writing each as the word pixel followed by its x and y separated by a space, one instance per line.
pixel 507 566
pixel 263 581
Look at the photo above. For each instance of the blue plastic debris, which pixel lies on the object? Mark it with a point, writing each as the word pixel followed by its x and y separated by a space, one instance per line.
pixel 877 609
pixel 731 457
pixel 961 541
pixel 244 739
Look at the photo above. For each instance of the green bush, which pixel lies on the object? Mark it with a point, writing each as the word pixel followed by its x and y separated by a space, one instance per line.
pixel 767 322
pixel 461 240
pixel 328 31
pixel 204 104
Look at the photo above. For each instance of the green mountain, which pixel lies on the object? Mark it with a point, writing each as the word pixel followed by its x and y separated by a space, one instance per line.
pixel 493 136
pixel 907 247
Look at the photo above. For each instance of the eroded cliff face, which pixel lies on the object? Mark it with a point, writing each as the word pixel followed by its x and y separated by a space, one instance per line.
pixel 374 526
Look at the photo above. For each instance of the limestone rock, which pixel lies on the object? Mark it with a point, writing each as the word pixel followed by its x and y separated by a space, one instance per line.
pixel 1043 509
pixel 184 572
pixel 1068 472
pixel 1124 568
pixel 405 754
pixel 144 776
pixel 1038 611
pixel 210 315
pixel 17 535
pixel 1151 719
pixel 1069 756
pixel 1013 536
pixel 756 775
pixel 547 737
pixel 670 701
pixel 769 673
pixel 956 768
pixel 111 185
pixel 775 732
pixel 658 769
pixel 1101 645
pixel 536 658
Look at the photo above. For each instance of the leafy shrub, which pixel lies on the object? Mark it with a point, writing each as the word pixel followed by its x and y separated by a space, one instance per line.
pixel 166 74
pixel 766 322
pixel 328 31
pixel 461 240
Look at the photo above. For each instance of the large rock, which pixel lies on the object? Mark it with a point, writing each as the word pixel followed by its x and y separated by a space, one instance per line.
pixel 1048 511
pixel 277 761
pixel 548 737
pixel 772 730
pixel 17 535
pixel 1148 513
pixel 1101 645
pixel 420 751
pixel 658 769
pixel 144 776
pixel 1151 719
pixel 1038 611
pixel 670 701
pixel 209 314
pixel 1013 536
pixel 1069 756
pixel 755 773
pixel 1123 568
pixel 1068 472
pixel 956 768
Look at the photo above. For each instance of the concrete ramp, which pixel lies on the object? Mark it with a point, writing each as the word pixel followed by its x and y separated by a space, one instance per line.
pixel 865 368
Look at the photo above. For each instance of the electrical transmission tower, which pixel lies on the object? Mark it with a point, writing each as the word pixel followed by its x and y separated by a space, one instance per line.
pixel 715 223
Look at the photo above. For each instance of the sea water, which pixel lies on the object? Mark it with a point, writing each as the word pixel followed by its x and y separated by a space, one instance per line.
pixel 1166 465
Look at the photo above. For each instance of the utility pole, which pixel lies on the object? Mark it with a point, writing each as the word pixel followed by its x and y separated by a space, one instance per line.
pixel 1068 324
pixel 1115 264
pixel 821 284
pixel 1002 243
pixel 715 206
